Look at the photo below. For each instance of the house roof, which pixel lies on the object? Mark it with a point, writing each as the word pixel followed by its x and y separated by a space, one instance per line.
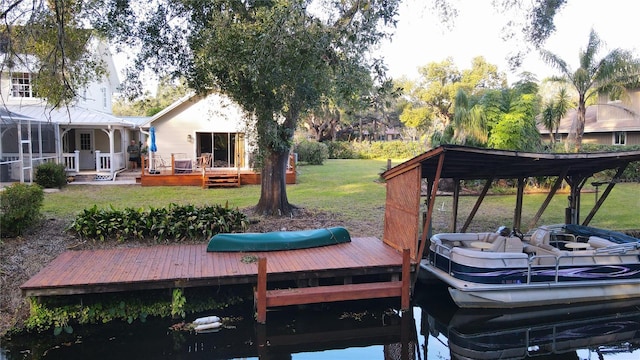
pixel 469 163
pixel 601 118
pixel 68 115
pixel 168 109
pixel 9 117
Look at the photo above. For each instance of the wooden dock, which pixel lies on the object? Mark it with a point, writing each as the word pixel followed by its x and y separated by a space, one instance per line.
pixel 182 266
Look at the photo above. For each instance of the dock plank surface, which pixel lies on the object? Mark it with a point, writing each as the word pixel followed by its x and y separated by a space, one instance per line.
pixel 167 266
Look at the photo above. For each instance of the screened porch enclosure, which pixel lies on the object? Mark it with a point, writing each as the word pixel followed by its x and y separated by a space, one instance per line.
pixel 23 146
pixel 225 149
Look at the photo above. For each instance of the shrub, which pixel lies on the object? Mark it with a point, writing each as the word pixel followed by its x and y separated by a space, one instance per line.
pixel 51 175
pixel 312 152
pixel 340 150
pixel 631 173
pixel 20 208
pixel 388 149
pixel 177 222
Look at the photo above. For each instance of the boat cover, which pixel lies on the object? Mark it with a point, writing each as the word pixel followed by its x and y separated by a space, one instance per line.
pixel 613 236
pixel 279 240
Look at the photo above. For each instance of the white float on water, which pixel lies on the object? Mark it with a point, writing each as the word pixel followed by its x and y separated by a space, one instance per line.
pixel 206 320
pixel 208 326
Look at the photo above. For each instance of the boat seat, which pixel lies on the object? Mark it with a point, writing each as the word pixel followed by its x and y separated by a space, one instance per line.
pixel 598 242
pixel 540 236
pixel 513 245
pixel 497 245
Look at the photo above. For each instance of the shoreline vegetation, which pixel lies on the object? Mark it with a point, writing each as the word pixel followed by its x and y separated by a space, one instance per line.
pixel 354 200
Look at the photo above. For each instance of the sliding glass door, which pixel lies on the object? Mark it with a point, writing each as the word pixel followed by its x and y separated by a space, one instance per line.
pixel 226 149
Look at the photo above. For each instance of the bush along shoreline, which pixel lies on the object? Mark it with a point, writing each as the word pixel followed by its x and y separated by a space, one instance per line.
pixel 60 313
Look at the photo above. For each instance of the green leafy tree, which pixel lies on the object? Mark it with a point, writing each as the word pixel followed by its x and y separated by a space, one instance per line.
pixel 517 129
pixel 276 58
pixel 469 122
pixel 610 74
pixel 168 92
pixel 434 100
pixel 49 40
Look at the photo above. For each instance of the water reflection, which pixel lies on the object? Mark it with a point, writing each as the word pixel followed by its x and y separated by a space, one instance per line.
pixel 604 331
pixel 347 331
pixel 370 330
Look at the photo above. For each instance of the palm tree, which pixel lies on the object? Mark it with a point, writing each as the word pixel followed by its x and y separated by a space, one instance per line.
pixel 548 119
pixel 610 74
pixel 562 105
pixel 469 122
pixel 554 111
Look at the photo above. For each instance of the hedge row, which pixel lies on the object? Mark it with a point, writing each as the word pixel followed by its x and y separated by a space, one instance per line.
pixel 175 222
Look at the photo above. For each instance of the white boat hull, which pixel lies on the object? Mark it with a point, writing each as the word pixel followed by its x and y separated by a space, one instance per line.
pixel 500 296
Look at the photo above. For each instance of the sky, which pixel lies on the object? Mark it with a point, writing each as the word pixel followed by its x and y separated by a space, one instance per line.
pixel 420 38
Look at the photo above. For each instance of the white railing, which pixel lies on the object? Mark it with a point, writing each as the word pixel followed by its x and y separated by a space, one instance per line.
pixel 11 165
pixel 105 161
pixel 71 161
pixel 118 161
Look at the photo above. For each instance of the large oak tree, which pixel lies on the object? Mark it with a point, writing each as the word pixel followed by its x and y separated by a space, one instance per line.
pixel 276 58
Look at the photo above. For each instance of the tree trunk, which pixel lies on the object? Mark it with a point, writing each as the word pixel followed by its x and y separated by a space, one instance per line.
pixel 582 114
pixel 574 138
pixel 273 195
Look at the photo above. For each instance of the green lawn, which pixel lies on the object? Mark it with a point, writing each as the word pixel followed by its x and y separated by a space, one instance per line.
pixel 351 190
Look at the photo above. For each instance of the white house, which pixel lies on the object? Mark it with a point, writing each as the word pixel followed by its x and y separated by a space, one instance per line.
pixel 196 126
pixel 85 136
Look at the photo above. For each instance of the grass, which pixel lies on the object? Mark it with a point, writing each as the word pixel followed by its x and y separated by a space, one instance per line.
pixel 621 210
pixel 340 186
pixel 350 189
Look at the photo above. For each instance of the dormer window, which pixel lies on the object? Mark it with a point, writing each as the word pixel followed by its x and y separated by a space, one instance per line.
pixel 103 90
pixel 22 85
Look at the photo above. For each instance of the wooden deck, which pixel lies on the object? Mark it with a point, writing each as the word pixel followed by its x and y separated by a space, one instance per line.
pixel 179 266
pixel 166 177
pixel 198 173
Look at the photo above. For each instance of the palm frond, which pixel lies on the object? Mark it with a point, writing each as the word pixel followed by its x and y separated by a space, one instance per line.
pixel 555 61
pixel 593 46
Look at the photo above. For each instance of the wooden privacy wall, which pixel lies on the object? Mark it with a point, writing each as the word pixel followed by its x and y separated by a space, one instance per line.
pixel 402 211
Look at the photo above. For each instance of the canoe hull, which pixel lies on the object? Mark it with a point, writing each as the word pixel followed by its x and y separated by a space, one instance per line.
pixel 278 240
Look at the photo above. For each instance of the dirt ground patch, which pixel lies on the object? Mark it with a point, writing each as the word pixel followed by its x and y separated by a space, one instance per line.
pixel 23 257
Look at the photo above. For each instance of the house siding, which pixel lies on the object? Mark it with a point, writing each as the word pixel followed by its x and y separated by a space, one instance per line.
pixel 214 113
pixel 633 138
pixel 606 118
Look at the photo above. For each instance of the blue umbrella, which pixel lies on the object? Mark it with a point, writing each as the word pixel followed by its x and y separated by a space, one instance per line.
pixel 153 147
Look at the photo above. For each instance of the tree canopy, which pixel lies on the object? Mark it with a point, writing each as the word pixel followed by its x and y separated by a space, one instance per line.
pixel 277 58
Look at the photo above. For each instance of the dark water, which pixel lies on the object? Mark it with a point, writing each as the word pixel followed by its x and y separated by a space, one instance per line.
pixel 370 330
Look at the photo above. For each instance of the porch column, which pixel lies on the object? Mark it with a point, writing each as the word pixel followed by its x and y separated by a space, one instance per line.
pixel 98 161
pixel 112 148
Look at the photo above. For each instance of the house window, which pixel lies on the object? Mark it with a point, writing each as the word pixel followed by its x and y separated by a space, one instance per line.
pixel 85 141
pixel 226 149
pixel 104 97
pixel 21 85
pixel 619 138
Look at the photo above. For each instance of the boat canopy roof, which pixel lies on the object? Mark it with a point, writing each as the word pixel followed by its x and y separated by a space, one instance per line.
pixel 469 163
pixel 405 185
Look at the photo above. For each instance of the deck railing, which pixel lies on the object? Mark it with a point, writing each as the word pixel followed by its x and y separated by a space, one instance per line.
pixel 71 161
pixel 105 161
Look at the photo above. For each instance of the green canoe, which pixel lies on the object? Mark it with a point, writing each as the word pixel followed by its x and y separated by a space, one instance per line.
pixel 279 240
